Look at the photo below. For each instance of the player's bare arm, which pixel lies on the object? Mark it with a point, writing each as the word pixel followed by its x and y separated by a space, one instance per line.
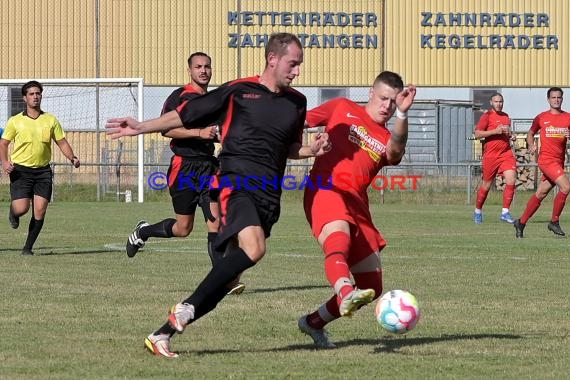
pixel 128 126
pixel 7 165
pixel 397 144
pixel 319 146
pixel 501 129
pixel 67 151
pixel 208 133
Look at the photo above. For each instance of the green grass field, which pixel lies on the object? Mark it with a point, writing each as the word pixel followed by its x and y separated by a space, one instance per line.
pixel 493 306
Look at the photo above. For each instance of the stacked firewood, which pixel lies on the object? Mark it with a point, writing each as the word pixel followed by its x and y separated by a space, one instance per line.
pixel 525 174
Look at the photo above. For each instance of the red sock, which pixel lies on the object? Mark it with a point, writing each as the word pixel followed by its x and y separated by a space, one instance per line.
pixel 330 311
pixel 508 195
pixel 336 248
pixel 481 196
pixel 532 205
pixel 558 206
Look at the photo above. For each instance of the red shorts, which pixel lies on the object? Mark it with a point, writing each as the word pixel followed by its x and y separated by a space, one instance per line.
pixel 325 206
pixel 551 170
pixel 497 165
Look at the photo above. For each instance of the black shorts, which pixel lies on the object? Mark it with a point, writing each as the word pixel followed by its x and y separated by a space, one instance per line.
pixel 242 208
pixel 188 184
pixel 26 182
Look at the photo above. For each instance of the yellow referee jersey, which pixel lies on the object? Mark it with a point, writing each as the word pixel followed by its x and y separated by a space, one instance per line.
pixel 32 138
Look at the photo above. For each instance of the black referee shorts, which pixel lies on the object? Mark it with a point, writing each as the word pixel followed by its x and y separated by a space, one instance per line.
pixel 242 208
pixel 26 182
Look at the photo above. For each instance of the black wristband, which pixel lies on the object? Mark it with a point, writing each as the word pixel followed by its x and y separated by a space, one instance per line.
pixel 73 158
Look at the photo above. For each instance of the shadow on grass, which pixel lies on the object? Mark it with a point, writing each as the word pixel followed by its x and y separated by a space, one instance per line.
pixel 393 344
pixel 286 288
pixel 58 251
pixel 44 251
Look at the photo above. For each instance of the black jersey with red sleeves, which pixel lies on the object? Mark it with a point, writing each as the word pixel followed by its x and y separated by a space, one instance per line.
pixel 191 147
pixel 258 126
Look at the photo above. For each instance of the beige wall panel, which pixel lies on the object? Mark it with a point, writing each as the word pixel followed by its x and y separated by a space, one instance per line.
pixel 116 39
pixel 153 39
pixel 323 66
pixel 47 39
pixel 161 34
pixel 501 67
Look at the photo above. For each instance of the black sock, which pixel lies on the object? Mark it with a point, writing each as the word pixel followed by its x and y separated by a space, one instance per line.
pixel 33 231
pixel 207 306
pixel 215 256
pixel 165 329
pixel 224 272
pixel 210 303
pixel 162 229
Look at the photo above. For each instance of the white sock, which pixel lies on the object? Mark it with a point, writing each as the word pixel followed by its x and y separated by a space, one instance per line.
pixel 505 210
pixel 477 211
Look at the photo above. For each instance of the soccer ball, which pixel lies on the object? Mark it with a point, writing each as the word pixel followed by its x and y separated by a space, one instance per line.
pixel 397 311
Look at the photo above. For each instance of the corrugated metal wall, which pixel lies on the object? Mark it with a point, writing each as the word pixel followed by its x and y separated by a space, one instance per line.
pixel 477 66
pixel 47 39
pixel 153 38
pixel 440 131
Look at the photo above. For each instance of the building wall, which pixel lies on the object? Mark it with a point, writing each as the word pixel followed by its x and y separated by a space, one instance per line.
pixel 516 43
pixel 153 38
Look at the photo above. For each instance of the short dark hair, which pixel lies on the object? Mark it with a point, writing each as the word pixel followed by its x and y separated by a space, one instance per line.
pixel 554 89
pixel 30 84
pixel 496 94
pixel 197 54
pixel 278 43
pixel 391 79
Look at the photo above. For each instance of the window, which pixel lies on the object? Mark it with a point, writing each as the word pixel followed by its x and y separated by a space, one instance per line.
pixel 326 94
pixel 15 102
pixel 483 96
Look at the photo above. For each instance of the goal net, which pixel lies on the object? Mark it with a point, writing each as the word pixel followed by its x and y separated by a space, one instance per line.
pixel 109 167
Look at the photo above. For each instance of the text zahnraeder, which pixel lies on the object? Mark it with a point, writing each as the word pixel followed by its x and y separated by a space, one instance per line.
pixel 483 31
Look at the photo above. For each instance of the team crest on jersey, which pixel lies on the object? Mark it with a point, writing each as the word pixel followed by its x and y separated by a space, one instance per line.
pixel 359 136
pixel 556 132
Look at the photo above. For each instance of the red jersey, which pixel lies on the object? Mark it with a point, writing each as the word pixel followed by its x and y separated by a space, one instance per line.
pixel 554 129
pixel 358 145
pixel 497 144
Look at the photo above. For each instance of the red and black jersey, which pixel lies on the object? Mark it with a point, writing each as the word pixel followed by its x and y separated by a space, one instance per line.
pixel 258 129
pixel 190 147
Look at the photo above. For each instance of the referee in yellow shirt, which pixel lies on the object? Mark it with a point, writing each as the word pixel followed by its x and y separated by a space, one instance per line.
pixel 31 131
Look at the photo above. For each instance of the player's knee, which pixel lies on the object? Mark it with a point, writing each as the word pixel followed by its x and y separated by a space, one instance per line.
pixel 565 188
pixel 337 241
pixel 254 253
pixel 182 229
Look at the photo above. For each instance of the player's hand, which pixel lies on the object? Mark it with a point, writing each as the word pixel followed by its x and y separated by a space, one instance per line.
pixel 122 126
pixel 8 166
pixel 208 133
pixel 75 162
pixel 499 130
pixel 321 144
pixel 405 98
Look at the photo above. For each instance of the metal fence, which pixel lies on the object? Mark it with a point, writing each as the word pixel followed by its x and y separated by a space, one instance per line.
pixel 453 182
